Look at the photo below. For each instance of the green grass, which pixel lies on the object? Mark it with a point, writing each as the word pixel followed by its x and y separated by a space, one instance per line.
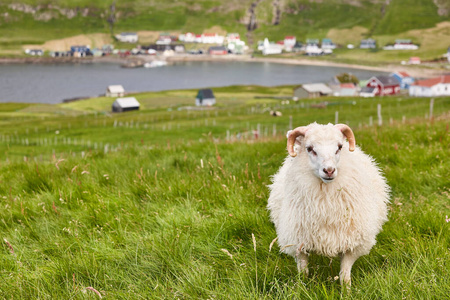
pixel 161 205
pixel 404 15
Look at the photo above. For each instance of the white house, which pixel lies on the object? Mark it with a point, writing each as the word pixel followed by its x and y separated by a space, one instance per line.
pixel 328 44
pixel 313 49
pixel 212 38
pixel 164 39
pixel 237 47
pixel 127 37
pixel 271 48
pixel 115 91
pixel 187 37
pixel 125 104
pixel 368 44
pixel 233 38
pixel 289 43
pixel 438 86
pixel 402 45
pixel 198 38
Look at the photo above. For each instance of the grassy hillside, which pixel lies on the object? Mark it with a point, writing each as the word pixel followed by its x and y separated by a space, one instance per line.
pixel 34 22
pixel 164 203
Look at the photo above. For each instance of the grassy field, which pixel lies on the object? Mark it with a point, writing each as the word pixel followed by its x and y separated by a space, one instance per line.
pixel 167 203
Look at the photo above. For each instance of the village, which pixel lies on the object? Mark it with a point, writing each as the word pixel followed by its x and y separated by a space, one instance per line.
pixel 215 45
pixel 188 44
pixel 342 85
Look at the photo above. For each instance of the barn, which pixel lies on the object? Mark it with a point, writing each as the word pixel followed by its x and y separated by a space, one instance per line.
pixel 385 85
pixel 205 97
pixel 312 90
pixel 125 104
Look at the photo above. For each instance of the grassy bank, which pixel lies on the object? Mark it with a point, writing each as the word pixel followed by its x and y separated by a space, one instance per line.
pixel 163 203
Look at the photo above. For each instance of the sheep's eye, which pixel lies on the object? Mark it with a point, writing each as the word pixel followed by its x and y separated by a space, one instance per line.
pixel 311 150
pixel 339 148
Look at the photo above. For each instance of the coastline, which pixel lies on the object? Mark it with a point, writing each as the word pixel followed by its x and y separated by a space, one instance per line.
pixel 415 71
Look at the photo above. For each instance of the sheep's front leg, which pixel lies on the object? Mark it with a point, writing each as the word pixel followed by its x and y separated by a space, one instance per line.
pixel 347 261
pixel 302 261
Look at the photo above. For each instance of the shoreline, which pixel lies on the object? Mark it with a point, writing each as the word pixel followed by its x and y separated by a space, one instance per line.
pixel 415 71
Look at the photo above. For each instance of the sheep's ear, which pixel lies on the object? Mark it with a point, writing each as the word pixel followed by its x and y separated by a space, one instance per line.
pixel 348 133
pixel 292 136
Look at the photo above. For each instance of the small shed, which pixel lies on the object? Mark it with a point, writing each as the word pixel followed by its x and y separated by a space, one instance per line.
pixel 368 92
pixel 205 97
pixel 115 91
pixel 125 104
pixel 312 90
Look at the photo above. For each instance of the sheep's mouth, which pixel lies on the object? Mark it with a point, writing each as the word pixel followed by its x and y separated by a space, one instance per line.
pixel 327 179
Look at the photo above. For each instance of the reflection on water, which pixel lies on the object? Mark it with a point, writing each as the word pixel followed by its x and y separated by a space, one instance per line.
pixel 53 83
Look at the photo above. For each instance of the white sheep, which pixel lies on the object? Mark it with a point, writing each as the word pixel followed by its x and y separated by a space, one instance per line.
pixel 329 197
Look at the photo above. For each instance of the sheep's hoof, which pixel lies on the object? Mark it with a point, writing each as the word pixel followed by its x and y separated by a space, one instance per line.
pixel 346 282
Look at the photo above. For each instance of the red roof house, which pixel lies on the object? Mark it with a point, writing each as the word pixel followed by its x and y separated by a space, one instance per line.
pixel 218 50
pixel 437 86
pixel 414 60
pixel 384 85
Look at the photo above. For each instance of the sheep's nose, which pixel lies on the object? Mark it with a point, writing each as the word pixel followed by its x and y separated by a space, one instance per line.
pixel 329 171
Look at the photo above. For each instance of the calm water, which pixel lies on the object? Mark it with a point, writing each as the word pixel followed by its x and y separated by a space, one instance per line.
pixel 54 83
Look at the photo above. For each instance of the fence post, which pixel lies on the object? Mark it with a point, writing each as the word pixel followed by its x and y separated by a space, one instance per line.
pixel 431 108
pixel 336 117
pixel 380 118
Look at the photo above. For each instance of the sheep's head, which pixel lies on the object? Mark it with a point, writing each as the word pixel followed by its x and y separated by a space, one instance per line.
pixel 323 145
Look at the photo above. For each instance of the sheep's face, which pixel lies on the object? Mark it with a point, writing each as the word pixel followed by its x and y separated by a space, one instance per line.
pixel 323 146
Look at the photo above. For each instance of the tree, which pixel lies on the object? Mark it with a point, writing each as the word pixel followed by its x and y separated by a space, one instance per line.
pixel 347 78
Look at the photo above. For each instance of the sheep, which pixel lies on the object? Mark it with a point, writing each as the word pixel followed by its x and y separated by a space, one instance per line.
pixel 328 197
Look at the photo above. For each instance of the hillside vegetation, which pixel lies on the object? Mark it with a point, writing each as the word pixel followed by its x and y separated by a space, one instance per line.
pixel 167 203
pixel 36 21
